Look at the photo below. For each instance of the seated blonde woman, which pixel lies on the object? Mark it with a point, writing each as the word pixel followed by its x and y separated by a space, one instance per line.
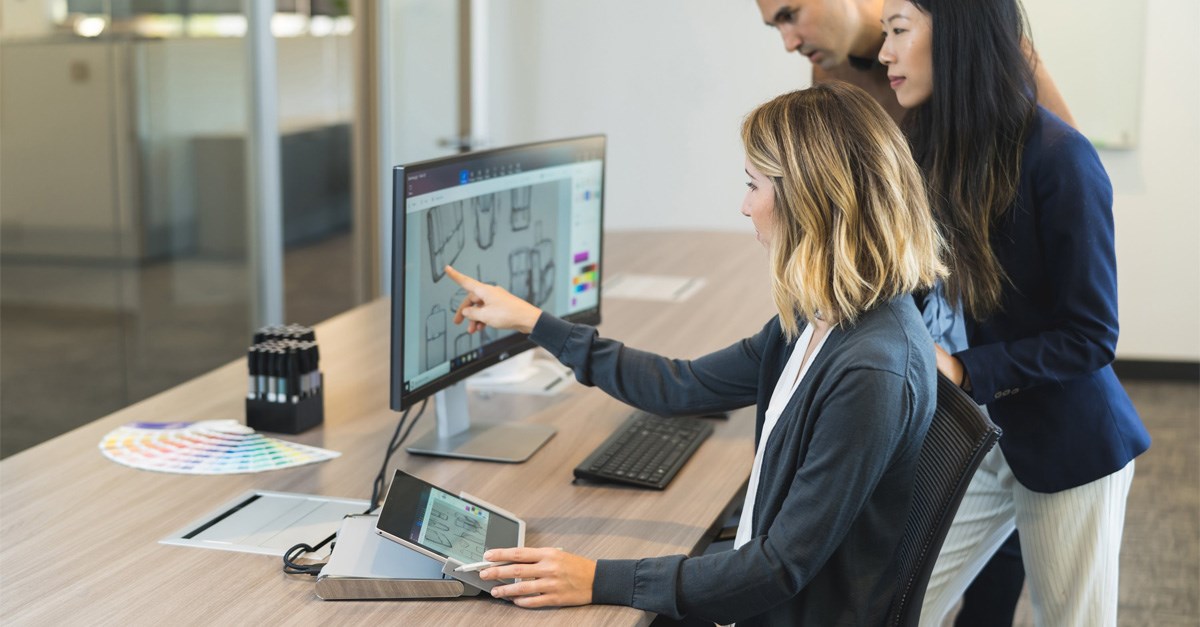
pixel 844 380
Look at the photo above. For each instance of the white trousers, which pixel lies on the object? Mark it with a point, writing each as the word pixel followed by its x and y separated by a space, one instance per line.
pixel 1070 545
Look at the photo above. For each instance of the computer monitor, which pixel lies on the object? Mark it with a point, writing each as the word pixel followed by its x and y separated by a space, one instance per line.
pixel 528 218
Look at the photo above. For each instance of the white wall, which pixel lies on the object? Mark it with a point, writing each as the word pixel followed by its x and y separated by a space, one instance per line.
pixel 669 81
pixel 423 60
pixel 60 115
pixel 1157 193
pixel 26 18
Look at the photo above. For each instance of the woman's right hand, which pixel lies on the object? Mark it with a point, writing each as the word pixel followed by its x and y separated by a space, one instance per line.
pixel 492 306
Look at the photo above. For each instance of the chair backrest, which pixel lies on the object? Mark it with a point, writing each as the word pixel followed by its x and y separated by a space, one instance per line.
pixel 959 436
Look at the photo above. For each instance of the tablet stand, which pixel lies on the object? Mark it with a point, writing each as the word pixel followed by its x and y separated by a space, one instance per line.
pixel 365 566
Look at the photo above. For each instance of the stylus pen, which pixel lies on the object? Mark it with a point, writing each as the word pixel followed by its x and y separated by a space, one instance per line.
pixel 478 566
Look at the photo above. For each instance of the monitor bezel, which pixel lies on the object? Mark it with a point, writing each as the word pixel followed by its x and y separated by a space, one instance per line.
pixel 498 350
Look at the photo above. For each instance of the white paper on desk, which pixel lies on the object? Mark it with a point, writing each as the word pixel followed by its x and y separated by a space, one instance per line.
pixel 656 287
pixel 267 523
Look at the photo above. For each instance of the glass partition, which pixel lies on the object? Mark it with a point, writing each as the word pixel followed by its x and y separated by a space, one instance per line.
pixel 124 251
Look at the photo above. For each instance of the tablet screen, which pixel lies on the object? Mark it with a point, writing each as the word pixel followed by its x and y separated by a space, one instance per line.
pixel 437 521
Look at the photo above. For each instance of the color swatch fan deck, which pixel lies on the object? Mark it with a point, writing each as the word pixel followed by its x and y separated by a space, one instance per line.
pixel 209 447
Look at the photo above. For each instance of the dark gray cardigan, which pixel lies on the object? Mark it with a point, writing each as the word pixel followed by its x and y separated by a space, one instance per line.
pixel 837 474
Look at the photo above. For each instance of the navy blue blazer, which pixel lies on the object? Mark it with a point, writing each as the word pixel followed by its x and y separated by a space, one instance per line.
pixel 1041 363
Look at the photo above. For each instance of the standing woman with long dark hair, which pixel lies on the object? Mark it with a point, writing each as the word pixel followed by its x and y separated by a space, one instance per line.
pixel 1026 207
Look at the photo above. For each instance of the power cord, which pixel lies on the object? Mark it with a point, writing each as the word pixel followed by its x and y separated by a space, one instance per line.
pixel 290 565
pixel 393 445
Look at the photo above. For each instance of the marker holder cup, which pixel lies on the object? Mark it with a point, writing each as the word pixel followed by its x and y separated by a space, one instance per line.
pixel 288 418
pixel 286 391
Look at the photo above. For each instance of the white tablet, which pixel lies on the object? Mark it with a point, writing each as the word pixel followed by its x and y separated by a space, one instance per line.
pixel 443 526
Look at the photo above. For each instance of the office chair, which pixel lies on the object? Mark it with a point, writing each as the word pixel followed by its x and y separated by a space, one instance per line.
pixel 958 438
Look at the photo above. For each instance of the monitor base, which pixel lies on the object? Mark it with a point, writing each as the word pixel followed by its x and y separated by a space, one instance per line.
pixel 492 443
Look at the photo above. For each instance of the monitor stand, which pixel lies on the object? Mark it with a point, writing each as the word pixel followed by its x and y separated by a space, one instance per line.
pixel 457 437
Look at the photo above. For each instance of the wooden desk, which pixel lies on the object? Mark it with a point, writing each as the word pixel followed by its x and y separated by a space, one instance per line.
pixel 79 534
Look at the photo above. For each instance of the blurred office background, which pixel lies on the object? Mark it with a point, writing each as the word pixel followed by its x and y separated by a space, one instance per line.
pixel 123 190
pixel 139 249
pixel 134 252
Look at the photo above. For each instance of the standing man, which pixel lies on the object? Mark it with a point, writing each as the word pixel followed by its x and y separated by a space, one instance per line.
pixel 842 39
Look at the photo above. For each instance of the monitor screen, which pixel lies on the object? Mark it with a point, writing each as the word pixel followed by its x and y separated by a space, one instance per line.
pixel 527 218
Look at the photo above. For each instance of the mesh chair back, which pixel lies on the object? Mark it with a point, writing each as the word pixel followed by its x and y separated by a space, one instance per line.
pixel 958 438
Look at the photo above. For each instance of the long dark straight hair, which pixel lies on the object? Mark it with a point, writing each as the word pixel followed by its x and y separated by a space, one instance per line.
pixel 968 137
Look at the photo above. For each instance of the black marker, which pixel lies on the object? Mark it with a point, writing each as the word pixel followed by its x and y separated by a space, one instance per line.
pixel 281 396
pixel 272 374
pixel 252 366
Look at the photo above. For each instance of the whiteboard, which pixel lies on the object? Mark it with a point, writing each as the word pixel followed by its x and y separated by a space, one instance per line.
pixel 1095 51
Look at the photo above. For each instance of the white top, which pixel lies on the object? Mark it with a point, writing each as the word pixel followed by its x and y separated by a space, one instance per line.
pixel 785 387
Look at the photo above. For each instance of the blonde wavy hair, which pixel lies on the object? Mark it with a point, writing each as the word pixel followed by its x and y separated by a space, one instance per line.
pixel 852 226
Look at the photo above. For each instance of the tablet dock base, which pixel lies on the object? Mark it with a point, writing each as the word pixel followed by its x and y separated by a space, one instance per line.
pixel 366 566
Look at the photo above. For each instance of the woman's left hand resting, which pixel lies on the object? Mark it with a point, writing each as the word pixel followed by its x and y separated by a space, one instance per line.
pixel 951 368
pixel 551 577
pixel 492 306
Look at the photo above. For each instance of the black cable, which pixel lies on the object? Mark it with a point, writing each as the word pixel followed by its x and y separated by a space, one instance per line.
pixel 377 484
pixel 414 423
pixel 290 565
pixel 393 445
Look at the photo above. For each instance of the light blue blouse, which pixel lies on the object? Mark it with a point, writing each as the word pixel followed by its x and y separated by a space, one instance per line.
pixel 945 323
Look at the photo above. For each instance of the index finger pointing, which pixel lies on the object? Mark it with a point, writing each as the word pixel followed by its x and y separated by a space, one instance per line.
pixel 463 280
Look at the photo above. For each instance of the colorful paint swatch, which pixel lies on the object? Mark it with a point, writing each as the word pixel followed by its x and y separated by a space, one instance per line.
pixel 585 280
pixel 209 447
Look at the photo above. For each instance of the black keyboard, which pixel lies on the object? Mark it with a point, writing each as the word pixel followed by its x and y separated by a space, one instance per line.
pixel 646 451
